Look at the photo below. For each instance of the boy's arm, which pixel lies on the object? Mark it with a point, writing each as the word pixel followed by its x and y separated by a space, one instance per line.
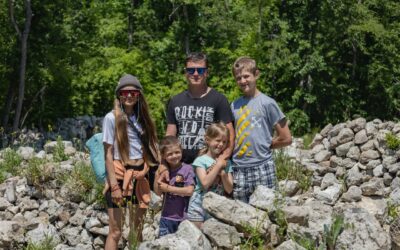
pixel 184 191
pixel 228 151
pixel 171 130
pixel 284 137
pixel 227 181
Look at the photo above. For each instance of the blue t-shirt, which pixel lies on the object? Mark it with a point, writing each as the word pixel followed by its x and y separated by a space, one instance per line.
pixel 176 206
pixel 255 119
pixel 206 162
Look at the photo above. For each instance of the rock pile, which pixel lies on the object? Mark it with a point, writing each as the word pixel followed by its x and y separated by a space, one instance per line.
pixel 355 188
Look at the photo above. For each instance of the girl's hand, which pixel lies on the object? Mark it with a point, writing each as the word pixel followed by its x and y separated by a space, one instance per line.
pixel 163 186
pixel 116 196
pixel 138 175
pixel 221 162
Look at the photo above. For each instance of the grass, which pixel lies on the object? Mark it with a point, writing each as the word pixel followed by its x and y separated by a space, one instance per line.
pixel 36 171
pixel 308 138
pixel 286 169
pixel 82 180
pixel 254 239
pixel 46 244
pixel 59 154
pixel 10 164
pixel 329 238
pixel 392 141
pixel 393 211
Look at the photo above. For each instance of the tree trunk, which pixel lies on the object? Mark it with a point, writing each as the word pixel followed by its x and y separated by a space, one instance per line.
pixel 7 105
pixel 22 68
pixel 186 16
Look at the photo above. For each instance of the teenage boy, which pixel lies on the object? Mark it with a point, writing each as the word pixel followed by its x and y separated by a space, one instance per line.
pixel 193 110
pixel 256 118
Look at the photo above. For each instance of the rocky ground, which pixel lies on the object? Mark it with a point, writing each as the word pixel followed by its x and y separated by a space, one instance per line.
pixel 351 202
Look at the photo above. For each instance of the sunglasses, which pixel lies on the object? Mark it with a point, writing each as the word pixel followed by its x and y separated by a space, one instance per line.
pixel 200 71
pixel 127 92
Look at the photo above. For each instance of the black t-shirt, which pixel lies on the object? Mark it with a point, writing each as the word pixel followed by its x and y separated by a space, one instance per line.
pixel 192 116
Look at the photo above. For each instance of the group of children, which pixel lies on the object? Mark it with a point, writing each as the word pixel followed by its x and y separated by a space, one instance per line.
pixel 234 170
pixel 189 183
pixel 256 117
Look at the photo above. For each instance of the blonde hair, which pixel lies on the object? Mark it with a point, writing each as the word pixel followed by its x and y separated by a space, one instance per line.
pixel 212 132
pixel 244 63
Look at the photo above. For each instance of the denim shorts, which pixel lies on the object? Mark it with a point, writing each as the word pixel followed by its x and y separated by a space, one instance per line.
pixel 196 211
pixel 168 226
pixel 246 179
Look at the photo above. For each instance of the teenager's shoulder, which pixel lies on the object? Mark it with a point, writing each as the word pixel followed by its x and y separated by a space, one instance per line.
pixel 265 98
pixel 180 95
pixel 213 92
pixel 109 116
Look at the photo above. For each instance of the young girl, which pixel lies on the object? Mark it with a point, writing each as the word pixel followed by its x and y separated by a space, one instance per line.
pixel 125 130
pixel 179 189
pixel 210 166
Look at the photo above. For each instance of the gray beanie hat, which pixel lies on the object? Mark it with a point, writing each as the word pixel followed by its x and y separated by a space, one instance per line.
pixel 128 80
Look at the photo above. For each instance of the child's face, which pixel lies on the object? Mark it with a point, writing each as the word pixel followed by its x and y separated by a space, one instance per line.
pixel 217 145
pixel 173 155
pixel 246 81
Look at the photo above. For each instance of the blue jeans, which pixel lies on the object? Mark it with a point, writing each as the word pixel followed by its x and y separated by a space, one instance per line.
pixel 168 226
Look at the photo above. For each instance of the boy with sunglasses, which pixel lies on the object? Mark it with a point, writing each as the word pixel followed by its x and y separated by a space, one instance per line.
pixel 192 111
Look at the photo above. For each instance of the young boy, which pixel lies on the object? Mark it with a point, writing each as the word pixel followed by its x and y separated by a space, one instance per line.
pixel 256 118
pixel 179 189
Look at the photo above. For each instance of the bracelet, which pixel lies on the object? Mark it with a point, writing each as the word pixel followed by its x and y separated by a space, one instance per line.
pixel 114 187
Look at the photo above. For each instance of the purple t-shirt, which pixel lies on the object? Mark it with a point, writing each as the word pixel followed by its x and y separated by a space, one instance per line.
pixel 176 206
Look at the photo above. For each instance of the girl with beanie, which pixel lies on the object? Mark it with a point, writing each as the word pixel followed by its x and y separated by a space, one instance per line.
pixel 130 145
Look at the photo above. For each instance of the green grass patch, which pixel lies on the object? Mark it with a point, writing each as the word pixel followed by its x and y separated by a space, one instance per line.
pixel 254 237
pixel 47 244
pixel 10 164
pixel 58 153
pixel 309 137
pixel 392 141
pixel 287 169
pixel 83 182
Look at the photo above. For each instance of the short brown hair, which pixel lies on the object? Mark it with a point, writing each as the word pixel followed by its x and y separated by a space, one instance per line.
pixel 196 57
pixel 167 142
pixel 244 63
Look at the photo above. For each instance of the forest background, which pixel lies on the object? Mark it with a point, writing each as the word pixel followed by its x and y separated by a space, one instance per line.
pixel 322 60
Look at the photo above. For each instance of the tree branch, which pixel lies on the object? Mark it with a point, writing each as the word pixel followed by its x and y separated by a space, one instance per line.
pixel 12 18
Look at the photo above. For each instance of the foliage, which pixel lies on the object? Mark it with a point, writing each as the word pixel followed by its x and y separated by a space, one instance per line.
pixel 299 122
pixel 58 153
pixel 392 141
pixel 279 216
pixel 393 211
pixel 38 172
pixel 83 182
pixel 254 237
pixel 309 137
pixel 287 169
pixel 331 233
pixel 47 244
pixel 305 242
pixel 10 164
pixel 323 61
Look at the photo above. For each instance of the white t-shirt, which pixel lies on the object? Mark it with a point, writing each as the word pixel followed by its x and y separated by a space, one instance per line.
pixel 135 145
